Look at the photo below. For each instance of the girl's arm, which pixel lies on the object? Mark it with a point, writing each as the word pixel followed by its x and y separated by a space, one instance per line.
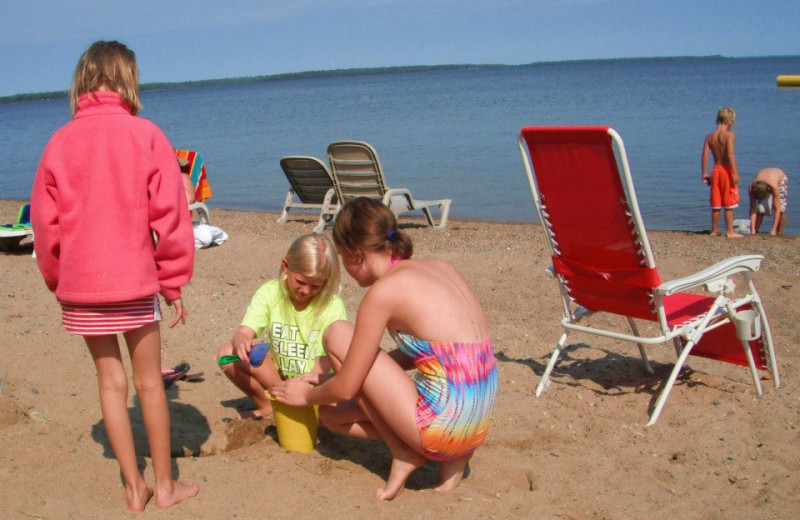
pixel 242 341
pixel 45 221
pixel 170 219
pixel 373 315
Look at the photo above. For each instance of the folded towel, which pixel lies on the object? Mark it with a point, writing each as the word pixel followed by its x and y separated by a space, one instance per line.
pixel 206 236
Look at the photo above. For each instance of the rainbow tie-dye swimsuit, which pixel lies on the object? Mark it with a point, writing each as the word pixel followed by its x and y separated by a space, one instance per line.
pixel 457 385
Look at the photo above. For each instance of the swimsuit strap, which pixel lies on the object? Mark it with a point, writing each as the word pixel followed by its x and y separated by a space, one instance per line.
pixel 395 260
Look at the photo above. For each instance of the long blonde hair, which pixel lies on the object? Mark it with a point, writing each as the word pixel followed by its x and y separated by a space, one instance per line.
pixel 312 255
pixel 107 64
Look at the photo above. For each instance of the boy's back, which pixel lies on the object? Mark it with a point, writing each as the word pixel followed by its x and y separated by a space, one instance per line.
pixel 720 142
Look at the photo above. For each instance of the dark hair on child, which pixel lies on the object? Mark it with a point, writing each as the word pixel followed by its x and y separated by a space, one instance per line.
pixel 365 223
pixel 760 189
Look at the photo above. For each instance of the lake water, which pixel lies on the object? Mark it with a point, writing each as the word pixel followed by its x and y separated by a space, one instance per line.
pixel 451 133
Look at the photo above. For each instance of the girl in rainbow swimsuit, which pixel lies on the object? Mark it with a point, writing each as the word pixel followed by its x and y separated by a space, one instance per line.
pixel 441 331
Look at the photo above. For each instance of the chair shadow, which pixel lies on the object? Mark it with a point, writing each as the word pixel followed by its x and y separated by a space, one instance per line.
pixel 189 430
pixel 613 373
pixel 12 246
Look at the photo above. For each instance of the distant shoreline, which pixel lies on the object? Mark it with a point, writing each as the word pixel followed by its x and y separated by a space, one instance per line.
pixel 38 96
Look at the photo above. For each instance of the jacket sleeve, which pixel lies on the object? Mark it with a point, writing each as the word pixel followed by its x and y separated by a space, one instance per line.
pixel 44 220
pixel 170 220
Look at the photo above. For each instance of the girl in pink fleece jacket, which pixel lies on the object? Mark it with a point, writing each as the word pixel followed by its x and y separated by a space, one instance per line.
pixel 108 181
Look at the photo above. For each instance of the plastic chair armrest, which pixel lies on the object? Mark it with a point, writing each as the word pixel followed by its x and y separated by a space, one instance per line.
pixel 719 271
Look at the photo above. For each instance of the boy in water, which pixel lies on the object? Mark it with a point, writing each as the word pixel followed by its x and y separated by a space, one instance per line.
pixel 769 195
pixel 724 180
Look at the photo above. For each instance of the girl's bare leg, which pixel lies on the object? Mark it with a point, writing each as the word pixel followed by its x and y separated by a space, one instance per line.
pixel 144 345
pixel 347 418
pixel 241 376
pixel 388 400
pixel 113 386
pixel 452 472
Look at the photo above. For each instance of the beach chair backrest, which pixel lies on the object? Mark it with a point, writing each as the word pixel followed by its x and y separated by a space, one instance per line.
pixel 309 177
pixel 591 218
pixel 356 170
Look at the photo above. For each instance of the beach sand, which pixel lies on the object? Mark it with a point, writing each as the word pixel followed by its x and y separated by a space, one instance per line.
pixel 581 451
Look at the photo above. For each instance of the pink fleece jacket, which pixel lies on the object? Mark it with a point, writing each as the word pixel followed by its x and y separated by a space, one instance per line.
pixel 105 180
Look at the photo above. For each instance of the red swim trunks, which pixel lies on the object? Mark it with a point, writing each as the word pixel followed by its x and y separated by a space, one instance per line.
pixel 724 193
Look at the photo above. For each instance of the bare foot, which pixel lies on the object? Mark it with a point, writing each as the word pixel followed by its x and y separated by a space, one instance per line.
pixel 715 234
pixel 180 491
pixel 137 499
pixel 400 471
pixel 453 472
pixel 733 234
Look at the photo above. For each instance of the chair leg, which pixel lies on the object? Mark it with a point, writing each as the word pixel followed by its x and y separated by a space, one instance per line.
pixel 752 364
pixel 286 205
pixel 203 214
pixel 673 376
pixel 766 335
pixel 428 216
pixel 642 350
pixel 444 207
pixel 544 382
pixel 320 227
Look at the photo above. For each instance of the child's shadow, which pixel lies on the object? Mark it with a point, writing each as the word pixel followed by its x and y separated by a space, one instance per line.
pixel 189 430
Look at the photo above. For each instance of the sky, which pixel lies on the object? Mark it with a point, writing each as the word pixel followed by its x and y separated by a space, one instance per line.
pixel 183 40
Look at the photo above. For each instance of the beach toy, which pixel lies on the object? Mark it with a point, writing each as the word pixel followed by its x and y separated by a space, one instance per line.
pixel 225 360
pixel 257 354
pixel 297 426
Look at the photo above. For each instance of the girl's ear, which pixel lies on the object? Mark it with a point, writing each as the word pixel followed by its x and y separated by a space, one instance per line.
pixel 284 264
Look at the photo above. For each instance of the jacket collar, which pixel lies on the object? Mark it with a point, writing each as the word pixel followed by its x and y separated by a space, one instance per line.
pixel 101 102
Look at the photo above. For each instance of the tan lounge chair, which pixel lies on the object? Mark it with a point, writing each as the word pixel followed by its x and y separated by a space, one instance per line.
pixel 357 172
pixel 311 181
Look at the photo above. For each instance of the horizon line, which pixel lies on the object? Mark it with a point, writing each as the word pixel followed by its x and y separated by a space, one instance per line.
pixel 354 71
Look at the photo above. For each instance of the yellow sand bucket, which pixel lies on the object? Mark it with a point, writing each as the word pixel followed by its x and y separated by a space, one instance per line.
pixel 297 426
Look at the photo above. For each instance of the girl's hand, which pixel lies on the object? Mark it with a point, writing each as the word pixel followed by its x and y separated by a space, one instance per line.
pixel 294 392
pixel 242 349
pixel 181 312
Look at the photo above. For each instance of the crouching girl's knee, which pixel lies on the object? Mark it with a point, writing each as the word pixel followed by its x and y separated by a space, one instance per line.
pixel 336 338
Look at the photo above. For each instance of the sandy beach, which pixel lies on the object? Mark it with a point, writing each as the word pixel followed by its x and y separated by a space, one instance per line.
pixel 579 452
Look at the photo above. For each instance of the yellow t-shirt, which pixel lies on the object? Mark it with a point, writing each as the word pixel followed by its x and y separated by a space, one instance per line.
pixel 296 339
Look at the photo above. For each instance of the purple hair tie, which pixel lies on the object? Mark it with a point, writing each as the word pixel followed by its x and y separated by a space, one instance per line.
pixel 390 235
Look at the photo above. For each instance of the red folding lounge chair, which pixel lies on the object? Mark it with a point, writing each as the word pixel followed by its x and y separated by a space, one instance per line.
pixel 605 264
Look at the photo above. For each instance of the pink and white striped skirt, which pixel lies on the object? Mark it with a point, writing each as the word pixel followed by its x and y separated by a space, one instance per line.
pixel 100 319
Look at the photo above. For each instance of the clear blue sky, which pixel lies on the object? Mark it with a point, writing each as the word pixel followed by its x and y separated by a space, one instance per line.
pixel 178 40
